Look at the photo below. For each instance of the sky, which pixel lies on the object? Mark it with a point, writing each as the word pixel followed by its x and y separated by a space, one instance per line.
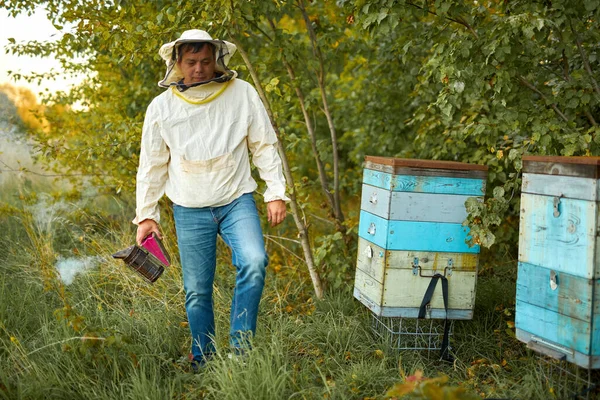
pixel 24 28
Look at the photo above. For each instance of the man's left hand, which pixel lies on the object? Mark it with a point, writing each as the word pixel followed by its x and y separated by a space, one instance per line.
pixel 276 212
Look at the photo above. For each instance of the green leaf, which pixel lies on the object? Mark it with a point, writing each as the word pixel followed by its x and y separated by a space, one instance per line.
pixel 498 192
pixel 590 5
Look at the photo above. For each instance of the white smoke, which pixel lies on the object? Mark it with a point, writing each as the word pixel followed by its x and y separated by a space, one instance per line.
pixel 70 267
pixel 48 212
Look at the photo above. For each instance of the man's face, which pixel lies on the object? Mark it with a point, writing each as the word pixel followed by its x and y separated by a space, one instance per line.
pixel 197 67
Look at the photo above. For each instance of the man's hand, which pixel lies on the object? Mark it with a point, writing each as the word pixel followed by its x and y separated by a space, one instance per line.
pixel 145 228
pixel 276 212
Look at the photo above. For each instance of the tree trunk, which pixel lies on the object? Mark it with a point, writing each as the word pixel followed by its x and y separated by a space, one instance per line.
pixel 339 216
pixel 300 223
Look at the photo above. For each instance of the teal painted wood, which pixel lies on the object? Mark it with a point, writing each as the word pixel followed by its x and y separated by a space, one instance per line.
pixel 411 206
pixel 424 184
pixel 566 331
pixel 550 349
pixel 374 229
pixel 570 295
pixel 596 337
pixel 566 242
pixel 407 312
pixel 596 322
pixel 413 235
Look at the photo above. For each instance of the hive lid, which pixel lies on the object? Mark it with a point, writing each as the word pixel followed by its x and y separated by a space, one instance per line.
pixel 417 163
pixel 585 167
pixel 413 166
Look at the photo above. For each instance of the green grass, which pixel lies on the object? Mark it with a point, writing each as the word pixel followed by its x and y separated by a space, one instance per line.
pixel 110 335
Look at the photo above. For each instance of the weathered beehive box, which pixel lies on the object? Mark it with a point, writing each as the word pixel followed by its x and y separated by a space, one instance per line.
pixel 558 284
pixel 410 229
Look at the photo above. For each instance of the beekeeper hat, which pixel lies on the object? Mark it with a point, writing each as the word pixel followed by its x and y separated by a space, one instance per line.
pixel 169 53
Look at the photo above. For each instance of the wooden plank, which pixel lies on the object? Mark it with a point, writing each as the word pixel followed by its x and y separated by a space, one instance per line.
pixel 414 235
pixel 473 174
pixel 371 259
pixel 435 313
pixel 437 164
pixel 368 286
pixel 596 323
pixel 585 167
pixel 572 295
pixel 376 200
pixel 581 160
pixel 566 243
pixel 404 289
pixel 409 312
pixel 429 236
pixel 575 357
pixel 407 206
pixel 561 329
pixel 370 304
pixel 560 186
pixel 378 179
pixel 370 291
pixel 596 335
pixel 424 184
pixel 374 229
pixel 596 302
pixel 432 262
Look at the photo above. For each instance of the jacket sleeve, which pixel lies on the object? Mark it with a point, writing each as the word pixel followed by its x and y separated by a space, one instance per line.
pixel 262 142
pixel 152 170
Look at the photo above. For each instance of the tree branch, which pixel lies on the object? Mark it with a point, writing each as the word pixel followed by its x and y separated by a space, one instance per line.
pixel 339 216
pixel 460 20
pixel 8 168
pixel 567 78
pixel 300 224
pixel 584 58
pixel 311 132
pixel 536 90
pixel 590 117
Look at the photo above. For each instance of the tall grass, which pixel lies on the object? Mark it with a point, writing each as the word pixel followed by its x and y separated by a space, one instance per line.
pixel 110 335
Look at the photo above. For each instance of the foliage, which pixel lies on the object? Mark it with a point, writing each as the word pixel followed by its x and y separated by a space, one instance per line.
pixel 419 387
pixel 495 80
pixel 20 107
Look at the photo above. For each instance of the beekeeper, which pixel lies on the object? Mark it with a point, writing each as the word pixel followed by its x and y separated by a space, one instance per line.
pixel 195 147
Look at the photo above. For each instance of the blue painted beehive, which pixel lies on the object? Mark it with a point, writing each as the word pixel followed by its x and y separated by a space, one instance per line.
pixel 410 229
pixel 558 284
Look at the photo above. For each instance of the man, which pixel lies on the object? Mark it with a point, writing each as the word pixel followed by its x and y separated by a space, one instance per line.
pixel 195 144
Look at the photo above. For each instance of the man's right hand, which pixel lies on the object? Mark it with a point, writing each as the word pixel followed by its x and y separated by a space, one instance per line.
pixel 145 228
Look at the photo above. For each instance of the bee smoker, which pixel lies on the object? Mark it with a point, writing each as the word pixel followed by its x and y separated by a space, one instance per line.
pixel 148 260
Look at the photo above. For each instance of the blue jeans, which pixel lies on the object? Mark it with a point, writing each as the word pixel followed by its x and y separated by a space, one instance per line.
pixel 239 226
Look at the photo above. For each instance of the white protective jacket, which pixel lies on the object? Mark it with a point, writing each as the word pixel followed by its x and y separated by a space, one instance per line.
pixel 195 148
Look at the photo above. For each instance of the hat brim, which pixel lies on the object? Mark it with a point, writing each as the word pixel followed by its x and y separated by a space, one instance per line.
pixel 167 54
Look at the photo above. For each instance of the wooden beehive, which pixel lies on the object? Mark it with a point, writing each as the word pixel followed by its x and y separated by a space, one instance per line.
pixel 558 284
pixel 411 228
